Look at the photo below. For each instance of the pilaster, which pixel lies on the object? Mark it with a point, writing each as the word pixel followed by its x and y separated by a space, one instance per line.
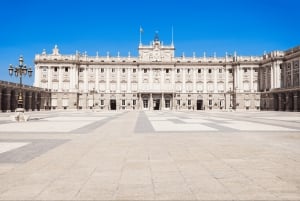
pixel 204 80
pixel 60 78
pixel 85 79
pixel 97 79
pixel 49 77
pixel 194 80
pixel 251 79
pixel 215 80
pixel 183 80
pixel 107 88
pixel 128 80
pixel 118 80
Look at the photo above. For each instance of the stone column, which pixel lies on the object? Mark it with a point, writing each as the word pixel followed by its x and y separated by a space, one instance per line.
pixel 8 100
pixel 296 102
pixel 33 101
pixel 286 102
pixel 280 102
pixel 29 101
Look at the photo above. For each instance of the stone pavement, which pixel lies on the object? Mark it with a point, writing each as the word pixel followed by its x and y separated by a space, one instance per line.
pixel 150 155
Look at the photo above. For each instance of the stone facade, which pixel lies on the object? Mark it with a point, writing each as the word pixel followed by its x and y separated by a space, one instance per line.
pixel 34 99
pixel 279 81
pixel 157 80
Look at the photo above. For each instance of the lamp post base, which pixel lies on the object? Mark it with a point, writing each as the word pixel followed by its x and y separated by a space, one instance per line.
pixel 20 116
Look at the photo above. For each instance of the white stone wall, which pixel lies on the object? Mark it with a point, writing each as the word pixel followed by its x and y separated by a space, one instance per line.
pixel 157 71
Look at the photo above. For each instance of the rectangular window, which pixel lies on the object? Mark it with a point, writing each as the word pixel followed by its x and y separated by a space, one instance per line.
pixel 123 102
pixel 112 70
pixel 189 102
pixel 66 69
pixel 209 102
pixel 102 70
pixel 189 70
pixel 230 70
pixel 199 70
pixel 55 69
pixel 245 70
pixel 178 70
pixel 209 70
pixel 101 102
pixel 81 70
pixel 167 70
pixel 123 70
pixel 256 70
pixel 133 102
pixel 145 70
pixel 134 70
pixel 178 102
pixel 220 70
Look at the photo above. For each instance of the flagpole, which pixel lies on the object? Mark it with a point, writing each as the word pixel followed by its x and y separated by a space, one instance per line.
pixel 140 35
pixel 172 36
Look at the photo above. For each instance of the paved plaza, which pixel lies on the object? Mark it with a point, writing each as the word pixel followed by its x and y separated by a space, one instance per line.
pixel 150 155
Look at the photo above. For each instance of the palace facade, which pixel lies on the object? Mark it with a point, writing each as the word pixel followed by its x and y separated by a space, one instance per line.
pixel 157 80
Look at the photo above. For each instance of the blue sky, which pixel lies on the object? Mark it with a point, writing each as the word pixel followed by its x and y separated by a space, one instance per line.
pixel 249 27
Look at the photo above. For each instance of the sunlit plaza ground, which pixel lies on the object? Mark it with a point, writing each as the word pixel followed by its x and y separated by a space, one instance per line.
pixel 150 155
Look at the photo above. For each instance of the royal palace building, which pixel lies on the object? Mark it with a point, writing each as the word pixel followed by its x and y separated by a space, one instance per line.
pixel 157 80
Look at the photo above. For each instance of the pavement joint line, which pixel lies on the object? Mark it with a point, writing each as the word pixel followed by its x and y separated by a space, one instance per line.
pixel 223 164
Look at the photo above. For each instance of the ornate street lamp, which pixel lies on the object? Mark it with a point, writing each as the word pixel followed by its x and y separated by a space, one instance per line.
pixel 20 71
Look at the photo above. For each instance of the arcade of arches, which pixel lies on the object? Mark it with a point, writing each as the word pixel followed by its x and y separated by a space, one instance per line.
pixel 281 100
pixel 34 98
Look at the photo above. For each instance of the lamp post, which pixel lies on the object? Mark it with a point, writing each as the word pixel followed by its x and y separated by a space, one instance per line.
pixel 93 97
pixel 20 71
pixel 230 105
